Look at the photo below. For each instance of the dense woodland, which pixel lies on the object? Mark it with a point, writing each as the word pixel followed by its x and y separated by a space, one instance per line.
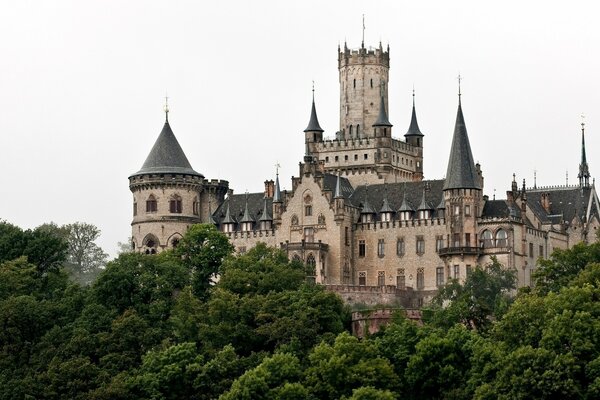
pixel 158 327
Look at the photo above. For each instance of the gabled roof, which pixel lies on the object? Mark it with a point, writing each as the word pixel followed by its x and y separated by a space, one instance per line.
pixel 566 203
pixel 167 156
pixel 461 173
pixel 330 182
pixel 382 118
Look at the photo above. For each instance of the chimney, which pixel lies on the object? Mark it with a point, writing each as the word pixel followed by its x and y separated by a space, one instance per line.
pixel 269 188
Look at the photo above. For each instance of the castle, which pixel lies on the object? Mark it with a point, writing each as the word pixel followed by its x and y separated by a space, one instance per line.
pixel 359 214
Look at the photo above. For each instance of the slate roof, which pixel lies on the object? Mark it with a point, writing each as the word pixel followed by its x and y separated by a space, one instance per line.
pixel 382 118
pixel 396 191
pixel 237 207
pixel 565 203
pixel 313 123
pixel 167 156
pixel 461 173
pixel 329 183
pixel 500 209
pixel 413 129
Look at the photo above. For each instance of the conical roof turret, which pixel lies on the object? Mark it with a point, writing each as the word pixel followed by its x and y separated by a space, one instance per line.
pixel 277 191
pixel 405 206
pixel 424 205
pixel 366 207
pixel 382 118
pixel 266 216
pixel 584 171
pixel 167 156
pixel 413 129
pixel 313 123
pixel 338 187
pixel 461 173
pixel 246 217
pixel 228 219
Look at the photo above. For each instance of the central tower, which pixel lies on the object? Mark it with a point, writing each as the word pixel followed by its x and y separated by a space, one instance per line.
pixel 364 75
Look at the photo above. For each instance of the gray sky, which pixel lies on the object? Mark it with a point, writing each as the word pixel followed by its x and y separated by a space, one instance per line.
pixel 82 86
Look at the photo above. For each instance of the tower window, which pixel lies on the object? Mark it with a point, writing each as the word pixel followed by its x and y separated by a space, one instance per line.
pixel 308 211
pixel 134 209
pixel 371 83
pixel 175 205
pixel 356 157
pixel 366 156
pixel 362 248
pixel 346 158
pixel 381 248
pixel 151 205
pixel 354 84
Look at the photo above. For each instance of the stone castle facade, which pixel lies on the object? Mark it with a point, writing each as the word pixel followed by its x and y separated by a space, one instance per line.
pixel 359 213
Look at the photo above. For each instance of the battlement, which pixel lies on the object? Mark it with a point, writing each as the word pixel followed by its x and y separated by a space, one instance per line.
pixel 364 143
pixel 360 56
pixel 393 224
pixel 155 180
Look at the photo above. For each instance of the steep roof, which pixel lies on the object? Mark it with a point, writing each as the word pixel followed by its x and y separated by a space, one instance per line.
pixel 313 123
pixel 382 118
pixel 413 129
pixel 167 156
pixel 461 173
pixel 235 207
pixel 330 182
pixel 499 209
pixel 566 203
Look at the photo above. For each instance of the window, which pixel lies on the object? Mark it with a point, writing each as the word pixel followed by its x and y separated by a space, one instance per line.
pixel 362 278
pixel 358 130
pixel 356 157
pixel 501 238
pixel 362 248
pixel 346 158
pixel 456 209
pixel 196 206
pixel 467 210
pixel 439 276
pixel 371 83
pixel 309 235
pixel 294 221
pixel 486 239
pixel 468 269
pixel 350 130
pixel 541 251
pixel 467 239
pixel 327 159
pixel 311 264
pixel 380 248
pixel 380 278
pixel 531 250
pixel 366 156
pixel 336 158
pixel 175 205
pixel 439 242
pixel 420 278
pixel 151 205
pixel 134 209
pixel 456 272
pixel 400 279
pixel 354 83
pixel 400 247
pixel 420 245
pixel 346 236
pixel 308 210
pixel 456 240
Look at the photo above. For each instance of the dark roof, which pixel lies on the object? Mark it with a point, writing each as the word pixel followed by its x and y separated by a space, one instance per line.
pixel 461 173
pixel 237 207
pixel 167 156
pixel 330 181
pixel 246 217
pixel 413 129
pixel 382 118
pixel 266 214
pixel 499 209
pixel 385 208
pixel 396 192
pixel 424 204
pixel 313 123
pixel 565 203
pixel 277 195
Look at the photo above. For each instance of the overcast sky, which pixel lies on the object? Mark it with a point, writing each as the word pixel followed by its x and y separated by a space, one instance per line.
pixel 82 86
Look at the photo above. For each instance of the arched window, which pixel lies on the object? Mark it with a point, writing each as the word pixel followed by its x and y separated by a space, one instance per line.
pixel 350 130
pixel 486 239
pixel 175 205
pixel 358 130
pixel 151 205
pixel 296 257
pixel 294 220
pixel 196 206
pixel 501 238
pixel 311 265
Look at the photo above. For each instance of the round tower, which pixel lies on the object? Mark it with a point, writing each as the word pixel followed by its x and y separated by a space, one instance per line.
pixel 364 75
pixel 166 195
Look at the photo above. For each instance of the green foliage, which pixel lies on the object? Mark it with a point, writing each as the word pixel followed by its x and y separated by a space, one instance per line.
pixel 86 259
pixel 483 297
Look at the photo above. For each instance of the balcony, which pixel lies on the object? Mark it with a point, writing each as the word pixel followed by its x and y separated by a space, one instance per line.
pixel 303 245
pixel 463 250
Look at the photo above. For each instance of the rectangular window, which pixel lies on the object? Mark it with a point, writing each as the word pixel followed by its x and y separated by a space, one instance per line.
pixel 467 239
pixel 420 245
pixel 456 272
pixel 346 236
pixel 356 157
pixel 439 242
pixel 151 206
pixel 456 240
pixel 400 279
pixel 400 247
pixel 366 156
pixel 380 248
pixel 175 206
pixel 346 158
pixel 467 210
pixel 336 158
pixel 420 278
pixel 327 159
pixel 541 251
pixel 362 248
pixel 309 235
pixel 439 276
pixel 468 270
pixel 456 209
pixel 362 278
pixel 380 278
pixel 308 211
pixel 531 250
pixel 134 209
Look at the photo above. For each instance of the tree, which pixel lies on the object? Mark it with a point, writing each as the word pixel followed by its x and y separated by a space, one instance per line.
pixel 85 258
pixel 202 251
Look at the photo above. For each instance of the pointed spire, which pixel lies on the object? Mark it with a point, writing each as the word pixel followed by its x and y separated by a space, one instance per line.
pixel 366 208
pixel 424 205
pixel 382 118
pixel 246 217
pixel 385 208
pixel 405 206
pixel 584 171
pixel 277 194
pixel 338 187
pixel 167 156
pixel 228 219
pixel 442 205
pixel 413 129
pixel 266 216
pixel 313 123
pixel 461 173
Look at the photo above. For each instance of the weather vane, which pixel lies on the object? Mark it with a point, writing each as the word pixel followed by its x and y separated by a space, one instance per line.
pixel 460 78
pixel 166 107
pixel 277 166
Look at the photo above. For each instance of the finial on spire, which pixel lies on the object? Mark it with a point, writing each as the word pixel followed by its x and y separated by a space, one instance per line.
pixel 166 107
pixel 535 179
pixel 582 121
pixel 313 90
pixel 277 166
pixel 413 94
pixel 363 32
pixel 459 78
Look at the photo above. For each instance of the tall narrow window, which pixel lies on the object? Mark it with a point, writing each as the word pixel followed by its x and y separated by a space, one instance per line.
pixel 456 271
pixel 175 205
pixel 134 209
pixel 501 238
pixel 308 211
pixel 439 276
pixel 486 239
pixel 380 278
pixel 309 235
pixel 531 250
pixel 400 279
pixel 400 247
pixel 362 248
pixel 467 239
pixel 380 248
pixel 151 205
pixel 420 245
pixel 439 242
pixel 420 278
pixel 362 278
pixel 354 84
pixel 346 236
